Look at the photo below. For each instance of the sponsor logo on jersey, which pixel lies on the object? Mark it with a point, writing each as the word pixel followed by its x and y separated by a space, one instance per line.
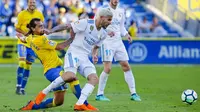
pixel 51 43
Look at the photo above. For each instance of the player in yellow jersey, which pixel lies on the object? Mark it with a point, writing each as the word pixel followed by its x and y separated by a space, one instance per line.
pixel 26 55
pixel 45 50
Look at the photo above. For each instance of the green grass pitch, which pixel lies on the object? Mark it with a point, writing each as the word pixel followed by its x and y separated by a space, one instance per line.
pixel 159 86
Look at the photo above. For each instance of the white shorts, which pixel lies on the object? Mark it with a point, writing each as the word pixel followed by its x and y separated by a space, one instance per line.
pixel 78 62
pixel 115 50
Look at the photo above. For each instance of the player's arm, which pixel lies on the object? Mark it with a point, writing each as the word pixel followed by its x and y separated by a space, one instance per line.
pixel 95 54
pixel 53 45
pixel 19 24
pixel 62 45
pixel 20 31
pixel 21 37
pixel 59 28
pixel 124 32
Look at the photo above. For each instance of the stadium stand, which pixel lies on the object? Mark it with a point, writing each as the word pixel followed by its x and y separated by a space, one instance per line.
pixel 63 11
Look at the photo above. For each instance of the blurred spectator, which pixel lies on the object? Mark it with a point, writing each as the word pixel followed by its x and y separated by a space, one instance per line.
pixel 70 16
pixel 144 26
pixel 5 13
pixel 157 29
pixel 11 28
pixel 77 7
pixel 83 14
pixel 133 30
pixel 65 11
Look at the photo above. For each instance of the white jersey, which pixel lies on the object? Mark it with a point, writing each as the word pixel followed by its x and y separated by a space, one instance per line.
pixel 86 36
pixel 117 24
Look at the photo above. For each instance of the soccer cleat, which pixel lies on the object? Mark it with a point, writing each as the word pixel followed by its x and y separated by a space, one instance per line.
pixel 18 91
pixel 92 107
pixel 23 92
pixel 39 98
pixel 28 106
pixel 82 107
pixel 135 97
pixel 102 98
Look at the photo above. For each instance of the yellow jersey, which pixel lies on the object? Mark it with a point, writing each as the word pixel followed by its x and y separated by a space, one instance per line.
pixel 133 32
pixel 45 51
pixel 23 18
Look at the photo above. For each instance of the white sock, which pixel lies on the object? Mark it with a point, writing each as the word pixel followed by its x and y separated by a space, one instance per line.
pixel 102 83
pixel 56 83
pixel 85 93
pixel 18 85
pixel 130 81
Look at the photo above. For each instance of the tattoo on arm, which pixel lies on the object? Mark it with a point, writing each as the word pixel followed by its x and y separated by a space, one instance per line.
pixel 61 28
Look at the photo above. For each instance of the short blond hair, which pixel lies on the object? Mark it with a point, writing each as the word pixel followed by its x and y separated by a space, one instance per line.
pixel 104 12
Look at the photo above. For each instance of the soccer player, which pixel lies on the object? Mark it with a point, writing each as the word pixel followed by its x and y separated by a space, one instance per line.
pixel 51 63
pixel 25 53
pixel 89 35
pixel 114 47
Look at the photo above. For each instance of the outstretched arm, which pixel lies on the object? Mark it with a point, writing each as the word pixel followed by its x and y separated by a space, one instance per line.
pixel 58 28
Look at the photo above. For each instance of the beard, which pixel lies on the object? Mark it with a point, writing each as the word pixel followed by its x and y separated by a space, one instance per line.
pixel 42 33
pixel 32 7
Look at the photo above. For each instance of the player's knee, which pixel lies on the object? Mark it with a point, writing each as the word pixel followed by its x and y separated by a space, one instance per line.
pixel 58 98
pixel 125 66
pixel 59 103
pixel 22 59
pixel 93 79
pixel 107 70
pixel 107 67
pixel 69 77
pixel 21 64
pixel 27 66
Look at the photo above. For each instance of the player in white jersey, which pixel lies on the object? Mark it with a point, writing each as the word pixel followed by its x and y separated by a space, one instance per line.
pixel 89 36
pixel 114 48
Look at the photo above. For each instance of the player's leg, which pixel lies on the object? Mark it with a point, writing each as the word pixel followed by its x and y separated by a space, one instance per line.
pixel 21 49
pixel 58 78
pixel 88 70
pixel 30 58
pixel 59 92
pixel 107 56
pixel 58 100
pixel 122 57
pixel 102 81
pixel 76 89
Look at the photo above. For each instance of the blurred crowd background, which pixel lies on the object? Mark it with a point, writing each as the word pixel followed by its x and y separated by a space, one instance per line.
pixel 144 18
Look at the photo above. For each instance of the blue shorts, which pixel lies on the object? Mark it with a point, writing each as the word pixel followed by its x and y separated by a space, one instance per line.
pixel 25 52
pixel 54 73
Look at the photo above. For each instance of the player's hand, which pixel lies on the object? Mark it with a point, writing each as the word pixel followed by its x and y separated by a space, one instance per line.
pixel 21 37
pixel 95 59
pixel 129 38
pixel 111 34
pixel 46 31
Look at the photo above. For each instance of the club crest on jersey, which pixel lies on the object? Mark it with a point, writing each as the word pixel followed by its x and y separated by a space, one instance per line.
pixel 91 27
pixel 51 43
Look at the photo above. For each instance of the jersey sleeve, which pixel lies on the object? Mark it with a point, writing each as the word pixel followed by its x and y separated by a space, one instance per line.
pixel 19 20
pixel 79 25
pixel 122 27
pixel 48 44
